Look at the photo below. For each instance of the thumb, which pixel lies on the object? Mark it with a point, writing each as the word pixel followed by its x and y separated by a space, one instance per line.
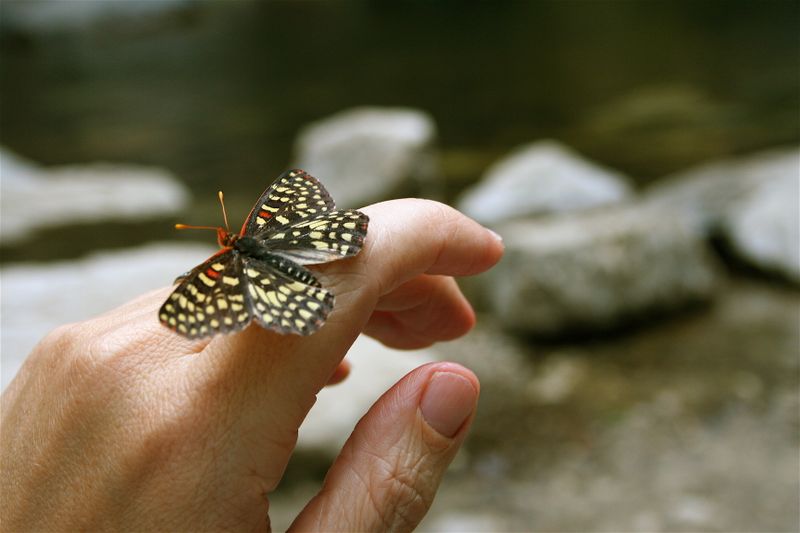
pixel 387 474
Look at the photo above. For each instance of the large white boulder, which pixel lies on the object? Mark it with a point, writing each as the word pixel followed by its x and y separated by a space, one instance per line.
pixel 750 202
pixel 541 178
pixel 764 229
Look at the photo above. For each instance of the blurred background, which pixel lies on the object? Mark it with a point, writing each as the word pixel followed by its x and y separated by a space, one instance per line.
pixel 639 344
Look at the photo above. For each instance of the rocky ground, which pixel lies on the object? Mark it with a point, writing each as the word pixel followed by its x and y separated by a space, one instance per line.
pixel 687 425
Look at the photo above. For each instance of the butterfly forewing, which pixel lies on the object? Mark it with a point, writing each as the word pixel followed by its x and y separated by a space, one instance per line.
pixel 295 196
pixel 209 299
pixel 324 238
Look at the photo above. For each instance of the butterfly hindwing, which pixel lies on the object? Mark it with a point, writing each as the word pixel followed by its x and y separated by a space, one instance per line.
pixel 283 301
pixel 295 196
pixel 209 299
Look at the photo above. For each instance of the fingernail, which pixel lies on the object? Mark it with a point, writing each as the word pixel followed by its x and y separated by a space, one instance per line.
pixel 447 402
pixel 495 235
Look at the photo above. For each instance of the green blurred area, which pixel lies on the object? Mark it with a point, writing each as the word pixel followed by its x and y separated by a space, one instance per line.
pixel 217 91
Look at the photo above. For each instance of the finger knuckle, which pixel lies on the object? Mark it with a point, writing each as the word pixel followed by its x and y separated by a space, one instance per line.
pixel 79 357
pixel 407 495
pixel 434 210
pixel 64 352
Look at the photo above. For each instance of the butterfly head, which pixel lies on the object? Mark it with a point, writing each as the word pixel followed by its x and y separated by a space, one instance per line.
pixel 225 238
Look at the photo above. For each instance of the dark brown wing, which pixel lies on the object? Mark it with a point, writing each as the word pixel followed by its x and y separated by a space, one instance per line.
pixel 293 197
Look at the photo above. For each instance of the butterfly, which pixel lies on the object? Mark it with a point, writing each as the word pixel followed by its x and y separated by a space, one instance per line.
pixel 259 274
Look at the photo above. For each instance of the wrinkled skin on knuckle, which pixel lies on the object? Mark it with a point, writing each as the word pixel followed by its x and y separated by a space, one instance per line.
pixel 65 340
pixel 409 503
pixel 402 489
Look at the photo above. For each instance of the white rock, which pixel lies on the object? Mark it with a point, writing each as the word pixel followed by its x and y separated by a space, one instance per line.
pixel 34 198
pixel 375 368
pixel 704 195
pixel 541 178
pixel 597 271
pixel 36 298
pixel 751 202
pixel 365 153
pixel 764 229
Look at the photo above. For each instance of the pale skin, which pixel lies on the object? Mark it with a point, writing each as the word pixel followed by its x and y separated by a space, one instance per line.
pixel 117 423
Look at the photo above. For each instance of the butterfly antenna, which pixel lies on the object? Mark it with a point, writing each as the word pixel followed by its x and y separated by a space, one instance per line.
pixel 224 213
pixel 186 226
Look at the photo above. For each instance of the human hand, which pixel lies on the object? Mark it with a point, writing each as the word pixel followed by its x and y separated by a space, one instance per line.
pixel 117 423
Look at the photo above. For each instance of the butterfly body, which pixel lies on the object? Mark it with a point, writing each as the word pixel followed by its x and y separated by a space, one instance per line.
pixel 258 274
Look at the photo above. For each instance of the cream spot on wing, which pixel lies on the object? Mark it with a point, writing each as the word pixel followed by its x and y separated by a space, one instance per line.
pixel 272 299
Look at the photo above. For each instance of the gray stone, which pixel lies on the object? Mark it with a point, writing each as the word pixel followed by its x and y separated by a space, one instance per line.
pixel 541 178
pixel 764 229
pixel 597 271
pixel 704 195
pixel 365 154
pixel 751 202
pixel 35 197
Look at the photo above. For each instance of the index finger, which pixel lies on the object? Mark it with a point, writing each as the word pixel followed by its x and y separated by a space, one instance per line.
pixel 413 236
pixel 406 238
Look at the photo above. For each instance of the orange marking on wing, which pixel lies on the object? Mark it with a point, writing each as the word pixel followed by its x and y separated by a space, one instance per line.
pixel 265 214
pixel 211 273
